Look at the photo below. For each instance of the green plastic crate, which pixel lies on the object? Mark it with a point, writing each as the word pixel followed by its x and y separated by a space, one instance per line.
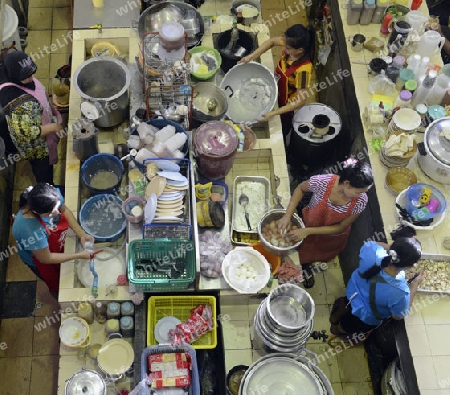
pixel 147 255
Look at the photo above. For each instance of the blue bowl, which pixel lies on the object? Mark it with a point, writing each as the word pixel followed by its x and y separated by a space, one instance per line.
pixel 101 217
pixel 99 168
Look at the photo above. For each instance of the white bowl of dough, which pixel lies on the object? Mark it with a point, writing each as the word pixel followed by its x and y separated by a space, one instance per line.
pixel 246 270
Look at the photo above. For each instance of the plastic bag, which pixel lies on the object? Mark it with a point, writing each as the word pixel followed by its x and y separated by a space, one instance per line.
pixel 382 85
pixel 213 249
pixel 141 389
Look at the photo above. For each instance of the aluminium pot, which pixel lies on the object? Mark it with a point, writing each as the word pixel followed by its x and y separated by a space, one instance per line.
pixel 85 382
pixel 103 83
pixel 434 152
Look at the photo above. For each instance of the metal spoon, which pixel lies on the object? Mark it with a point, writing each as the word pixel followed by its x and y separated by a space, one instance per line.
pixel 243 201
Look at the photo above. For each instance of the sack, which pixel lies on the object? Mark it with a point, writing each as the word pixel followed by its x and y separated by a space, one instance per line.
pixel 339 310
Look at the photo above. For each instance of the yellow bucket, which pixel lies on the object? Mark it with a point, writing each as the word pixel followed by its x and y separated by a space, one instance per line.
pixel 74 333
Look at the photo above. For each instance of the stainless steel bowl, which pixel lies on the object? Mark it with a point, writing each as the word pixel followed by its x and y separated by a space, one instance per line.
pixel 291 307
pixel 270 216
pixel 156 15
pixel 209 103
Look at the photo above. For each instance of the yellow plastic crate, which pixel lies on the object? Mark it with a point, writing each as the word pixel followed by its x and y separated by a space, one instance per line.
pixel 179 307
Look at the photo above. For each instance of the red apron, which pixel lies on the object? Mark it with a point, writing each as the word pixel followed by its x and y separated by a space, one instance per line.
pixel 56 239
pixel 324 248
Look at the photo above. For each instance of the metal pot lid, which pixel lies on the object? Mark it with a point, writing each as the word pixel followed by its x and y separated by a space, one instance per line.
pixel 437 138
pixel 281 375
pixel 215 138
pixel 303 122
pixel 86 382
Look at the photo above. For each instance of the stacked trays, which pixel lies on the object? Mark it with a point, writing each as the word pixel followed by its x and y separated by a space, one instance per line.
pixel 287 374
pixel 284 320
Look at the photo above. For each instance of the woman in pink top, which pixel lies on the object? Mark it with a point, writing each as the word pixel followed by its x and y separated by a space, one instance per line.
pixel 337 200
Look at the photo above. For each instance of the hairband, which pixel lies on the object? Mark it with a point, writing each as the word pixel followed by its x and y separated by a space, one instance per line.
pixel 27 191
pixel 393 255
pixel 350 161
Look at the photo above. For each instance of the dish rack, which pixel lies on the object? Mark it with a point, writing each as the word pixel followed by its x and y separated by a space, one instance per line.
pixel 194 388
pixel 180 307
pixel 150 263
pixel 157 71
pixel 182 230
pixel 173 101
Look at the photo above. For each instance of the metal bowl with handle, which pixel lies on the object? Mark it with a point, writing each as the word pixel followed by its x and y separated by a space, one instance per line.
pixel 274 215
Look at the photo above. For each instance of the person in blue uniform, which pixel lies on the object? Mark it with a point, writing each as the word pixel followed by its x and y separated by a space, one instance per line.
pixel 378 288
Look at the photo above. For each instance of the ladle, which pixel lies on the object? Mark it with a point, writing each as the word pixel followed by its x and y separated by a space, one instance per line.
pixel 243 201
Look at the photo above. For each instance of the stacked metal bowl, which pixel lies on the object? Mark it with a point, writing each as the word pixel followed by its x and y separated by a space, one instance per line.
pixel 284 320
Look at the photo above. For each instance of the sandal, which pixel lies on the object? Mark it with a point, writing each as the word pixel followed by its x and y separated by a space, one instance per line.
pixel 308 277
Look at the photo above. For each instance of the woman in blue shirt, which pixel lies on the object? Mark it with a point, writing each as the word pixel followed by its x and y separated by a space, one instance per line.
pixel 378 288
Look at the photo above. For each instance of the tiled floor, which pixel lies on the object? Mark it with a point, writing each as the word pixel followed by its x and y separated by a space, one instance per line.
pixel 29 357
pixel 29 364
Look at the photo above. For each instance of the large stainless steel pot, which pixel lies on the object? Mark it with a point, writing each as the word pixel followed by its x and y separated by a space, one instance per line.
pixel 434 153
pixel 103 84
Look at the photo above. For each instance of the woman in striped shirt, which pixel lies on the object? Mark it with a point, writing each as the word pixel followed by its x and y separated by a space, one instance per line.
pixel 337 200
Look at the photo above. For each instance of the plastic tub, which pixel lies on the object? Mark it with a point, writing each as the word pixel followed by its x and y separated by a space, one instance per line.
pixel 209 51
pixel 101 216
pixel 102 173
pixel 434 202
pixel 274 260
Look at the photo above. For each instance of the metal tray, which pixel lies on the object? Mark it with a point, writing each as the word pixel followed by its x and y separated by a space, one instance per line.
pixel 437 258
pixel 238 223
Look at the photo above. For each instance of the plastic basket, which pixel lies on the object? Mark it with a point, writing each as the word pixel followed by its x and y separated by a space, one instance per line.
pixel 144 256
pixel 194 388
pixel 413 194
pixel 180 307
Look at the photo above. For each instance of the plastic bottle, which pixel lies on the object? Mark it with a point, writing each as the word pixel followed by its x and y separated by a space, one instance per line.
pixel 392 73
pixel 85 311
pixel 403 100
pixel 415 5
pixel 422 69
pixel 411 85
pixel 422 110
pixel 127 309
pixel 384 29
pixel 414 63
pixel 100 312
pixel 422 92
pixel 399 62
pixel 127 326
pixel 438 93
pixel 113 310
pixel 381 6
pixel 112 326
pixel 369 7
pixel 354 10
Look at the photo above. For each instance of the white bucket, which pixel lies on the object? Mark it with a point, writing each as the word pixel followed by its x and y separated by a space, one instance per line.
pixel 10 29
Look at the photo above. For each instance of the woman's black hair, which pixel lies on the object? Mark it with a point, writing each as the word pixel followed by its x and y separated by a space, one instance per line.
pixel 298 36
pixel 40 199
pixel 357 173
pixel 404 252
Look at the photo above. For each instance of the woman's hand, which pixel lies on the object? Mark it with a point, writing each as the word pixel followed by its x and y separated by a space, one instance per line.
pixel 265 117
pixel 418 280
pixel 298 234
pixel 246 59
pixel 84 238
pixel 85 254
pixel 284 224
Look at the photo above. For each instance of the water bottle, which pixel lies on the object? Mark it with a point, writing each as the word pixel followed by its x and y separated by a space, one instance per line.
pixel 381 6
pixel 422 92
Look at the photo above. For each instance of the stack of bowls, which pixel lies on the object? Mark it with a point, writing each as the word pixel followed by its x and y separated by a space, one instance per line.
pixel 397 161
pixel 284 320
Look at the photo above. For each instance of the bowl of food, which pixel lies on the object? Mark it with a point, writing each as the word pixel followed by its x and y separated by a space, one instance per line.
pixel 205 61
pixel 270 237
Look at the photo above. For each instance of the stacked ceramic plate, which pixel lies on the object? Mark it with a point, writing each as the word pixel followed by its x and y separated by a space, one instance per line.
pixel 286 374
pixel 165 193
pixel 284 320
pixel 404 120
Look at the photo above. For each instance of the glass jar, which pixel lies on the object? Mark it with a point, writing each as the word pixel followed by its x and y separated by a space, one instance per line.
pixel 403 100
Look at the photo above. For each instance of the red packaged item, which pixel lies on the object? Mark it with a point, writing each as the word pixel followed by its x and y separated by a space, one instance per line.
pixel 175 360
pixel 170 373
pixel 170 382
pixel 199 323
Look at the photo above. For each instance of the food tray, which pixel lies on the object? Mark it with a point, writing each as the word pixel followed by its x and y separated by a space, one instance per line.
pixel 255 209
pixel 194 388
pixel 159 253
pixel 429 270
pixel 180 307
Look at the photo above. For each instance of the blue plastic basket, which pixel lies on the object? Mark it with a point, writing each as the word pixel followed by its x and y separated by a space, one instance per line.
pixel 413 194
pixel 101 203
pixel 194 388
